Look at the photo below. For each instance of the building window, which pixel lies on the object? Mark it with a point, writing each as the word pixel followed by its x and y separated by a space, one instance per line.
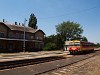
pixel 36 45
pixel 37 37
pixel 1 34
pixel 40 38
pixel 10 35
pixel 17 35
pixel 27 36
pixel 0 47
pixel 32 37
pixel 22 36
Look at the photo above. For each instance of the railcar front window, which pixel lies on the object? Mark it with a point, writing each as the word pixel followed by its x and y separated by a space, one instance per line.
pixel 75 44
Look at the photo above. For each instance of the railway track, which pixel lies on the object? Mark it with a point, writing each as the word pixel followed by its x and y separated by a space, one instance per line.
pixel 84 67
pixel 41 66
pixel 19 63
pixel 75 59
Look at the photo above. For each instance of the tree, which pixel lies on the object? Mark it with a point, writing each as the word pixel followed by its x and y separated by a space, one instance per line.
pixel 52 38
pixel 68 30
pixel 97 45
pixel 50 46
pixel 32 21
pixel 50 42
pixel 55 39
pixel 84 39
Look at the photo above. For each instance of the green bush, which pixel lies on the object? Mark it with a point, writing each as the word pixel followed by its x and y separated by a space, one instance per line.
pixel 50 46
pixel 97 45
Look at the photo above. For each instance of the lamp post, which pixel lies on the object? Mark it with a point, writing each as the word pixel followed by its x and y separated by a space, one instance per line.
pixel 24 35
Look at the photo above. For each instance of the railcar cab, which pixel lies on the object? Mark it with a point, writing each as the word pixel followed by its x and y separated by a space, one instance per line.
pixel 74 46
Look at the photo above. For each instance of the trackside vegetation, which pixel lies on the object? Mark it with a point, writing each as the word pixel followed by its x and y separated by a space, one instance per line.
pixel 65 31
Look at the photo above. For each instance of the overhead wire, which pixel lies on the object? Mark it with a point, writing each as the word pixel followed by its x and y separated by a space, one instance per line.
pixel 76 12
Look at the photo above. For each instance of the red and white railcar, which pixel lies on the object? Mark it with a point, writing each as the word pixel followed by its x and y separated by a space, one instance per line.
pixel 76 46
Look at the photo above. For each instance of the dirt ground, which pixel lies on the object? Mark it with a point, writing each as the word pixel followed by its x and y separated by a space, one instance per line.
pixel 89 66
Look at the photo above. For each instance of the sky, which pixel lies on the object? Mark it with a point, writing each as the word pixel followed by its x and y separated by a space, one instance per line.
pixel 50 13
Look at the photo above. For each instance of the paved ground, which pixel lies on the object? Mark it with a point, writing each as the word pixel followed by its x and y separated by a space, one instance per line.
pixel 82 68
pixel 31 69
pixel 87 67
pixel 29 55
pixel 43 67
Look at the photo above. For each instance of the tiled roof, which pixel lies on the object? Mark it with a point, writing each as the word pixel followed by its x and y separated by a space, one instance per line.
pixel 21 28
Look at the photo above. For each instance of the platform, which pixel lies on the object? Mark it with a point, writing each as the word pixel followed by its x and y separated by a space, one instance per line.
pixel 5 57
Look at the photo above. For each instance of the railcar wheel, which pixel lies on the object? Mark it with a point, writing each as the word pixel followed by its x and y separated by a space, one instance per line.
pixel 72 52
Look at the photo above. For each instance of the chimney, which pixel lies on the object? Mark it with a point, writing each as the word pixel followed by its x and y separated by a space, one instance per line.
pixel 3 20
pixel 19 23
pixel 15 23
pixel 22 24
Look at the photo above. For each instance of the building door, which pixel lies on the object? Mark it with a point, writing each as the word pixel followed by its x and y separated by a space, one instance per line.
pixel 10 46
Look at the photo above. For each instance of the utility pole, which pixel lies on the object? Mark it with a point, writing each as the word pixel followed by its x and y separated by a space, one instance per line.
pixel 24 35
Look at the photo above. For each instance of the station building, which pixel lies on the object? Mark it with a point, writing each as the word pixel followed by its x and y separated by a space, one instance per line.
pixel 12 38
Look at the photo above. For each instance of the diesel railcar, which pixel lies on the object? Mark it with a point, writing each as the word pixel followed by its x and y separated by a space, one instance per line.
pixel 76 46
